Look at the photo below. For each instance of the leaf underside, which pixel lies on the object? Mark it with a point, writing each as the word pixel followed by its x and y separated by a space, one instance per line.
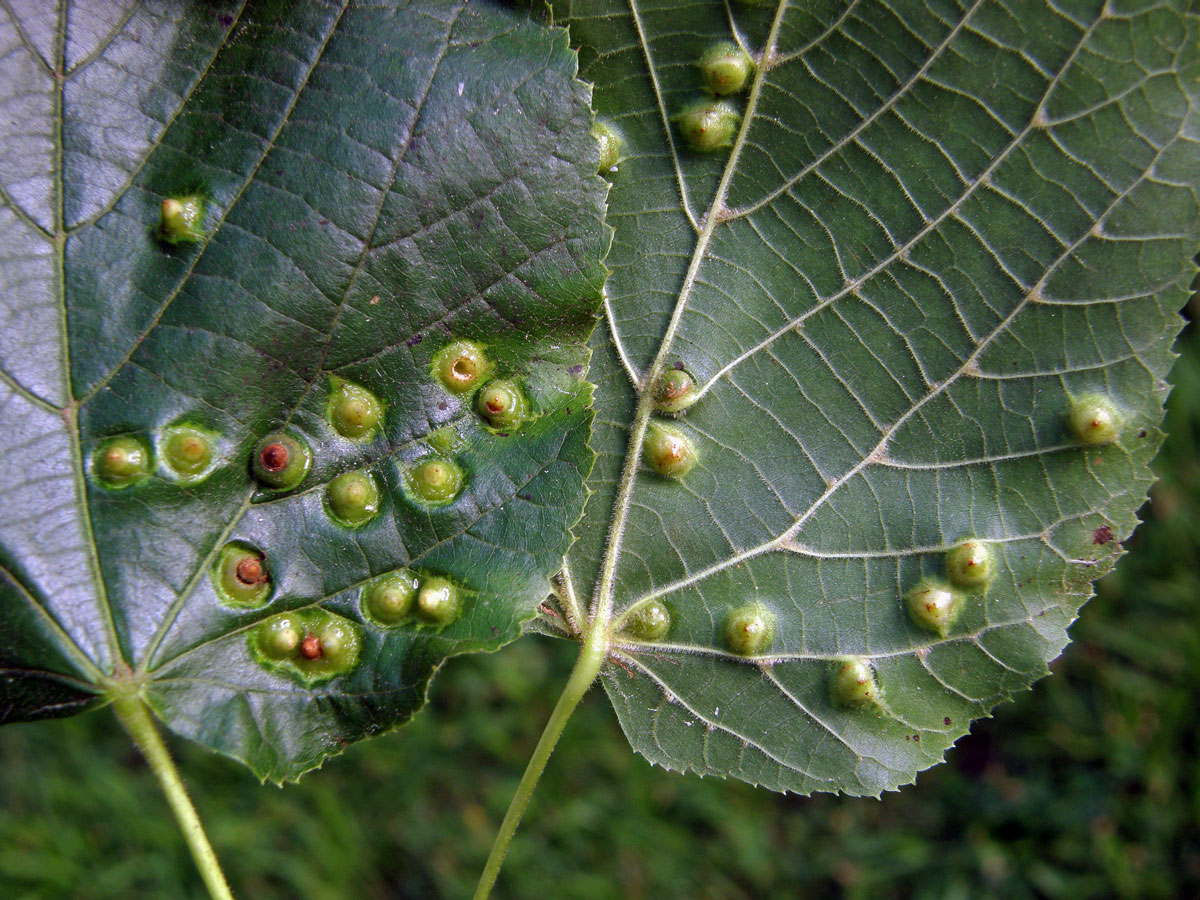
pixel 378 179
pixel 939 223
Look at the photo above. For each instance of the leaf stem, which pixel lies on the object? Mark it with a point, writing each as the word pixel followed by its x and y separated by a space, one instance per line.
pixel 134 715
pixel 587 667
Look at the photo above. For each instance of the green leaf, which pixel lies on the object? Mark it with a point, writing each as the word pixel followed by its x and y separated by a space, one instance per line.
pixel 363 184
pixel 936 225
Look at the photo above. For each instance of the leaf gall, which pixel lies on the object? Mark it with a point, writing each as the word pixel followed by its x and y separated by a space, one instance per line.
pixel 352 499
pixel 674 391
pixel 353 411
pixel 502 404
pixel 461 366
pixel 852 683
pixel 726 68
pixel 1094 421
pixel 121 461
pixel 434 480
pixel 749 630
pixel 240 576
pixel 933 605
pixel 281 461
pixel 438 601
pixel 970 564
pixel 668 451
pixel 182 219
pixel 648 621
pixel 611 145
pixel 390 598
pixel 708 125
pixel 187 452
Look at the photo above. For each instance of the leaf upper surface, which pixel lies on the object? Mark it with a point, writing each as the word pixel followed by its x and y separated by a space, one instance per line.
pixel 378 179
pixel 938 223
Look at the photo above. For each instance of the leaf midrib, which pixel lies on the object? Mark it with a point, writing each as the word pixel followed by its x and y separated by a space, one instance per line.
pixel 602 608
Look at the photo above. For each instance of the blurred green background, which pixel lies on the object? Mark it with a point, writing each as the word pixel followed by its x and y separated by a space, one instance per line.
pixel 1089 787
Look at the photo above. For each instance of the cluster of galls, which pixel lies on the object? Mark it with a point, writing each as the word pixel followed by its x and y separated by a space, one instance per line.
pixel 402 595
pixel 667 449
pixel 187 452
pixel 706 124
pixel 934 604
pixel 709 123
pixel 311 645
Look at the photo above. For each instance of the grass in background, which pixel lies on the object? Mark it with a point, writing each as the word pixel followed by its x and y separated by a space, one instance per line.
pixel 1087 788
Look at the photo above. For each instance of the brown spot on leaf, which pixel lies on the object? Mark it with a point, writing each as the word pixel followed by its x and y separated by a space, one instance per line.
pixel 1102 535
pixel 274 457
pixel 251 570
pixel 310 647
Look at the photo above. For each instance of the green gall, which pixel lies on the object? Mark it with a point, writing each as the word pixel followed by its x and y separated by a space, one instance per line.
pixel 353 411
pixel 610 144
pixel 648 621
pixel 438 601
pixel 281 461
pixel 121 461
pixel 352 498
pixel 182 219
pixel 708 125
pixel 311 646
pixel 461 366
pixel 390 598
pixel 933 605
pixel 674 391
pixel 434 480
pixel 852 683
pixel 970 564
pixel 726 68
pixel 668 451
pixel 445 440
pixel 279 636
pixel 749 630
pixel 240 576
pixel 502 404
pixel 187 451
pixel 1094 420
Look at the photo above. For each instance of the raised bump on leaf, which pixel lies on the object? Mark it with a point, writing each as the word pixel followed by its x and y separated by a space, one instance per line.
pixel 434 480
pixel 970 564
pixel 439 601
pixel 726 68
pixel 650 620
pixel 749 629
pixel 933 605
pixel 852 683
pixel 240 575
pixel 352 498
pixel 326 645
pixel 187 451
pixel 1094 420
pixel 708 125
pixel 668 451
pixel 182 219
pixel 389 599
pixel 121 461
pixel 279 636
pixel 281 461
pixel 611 145
pixel 502 404
pixel 674 391
pixel 352 409
pixel 461 366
